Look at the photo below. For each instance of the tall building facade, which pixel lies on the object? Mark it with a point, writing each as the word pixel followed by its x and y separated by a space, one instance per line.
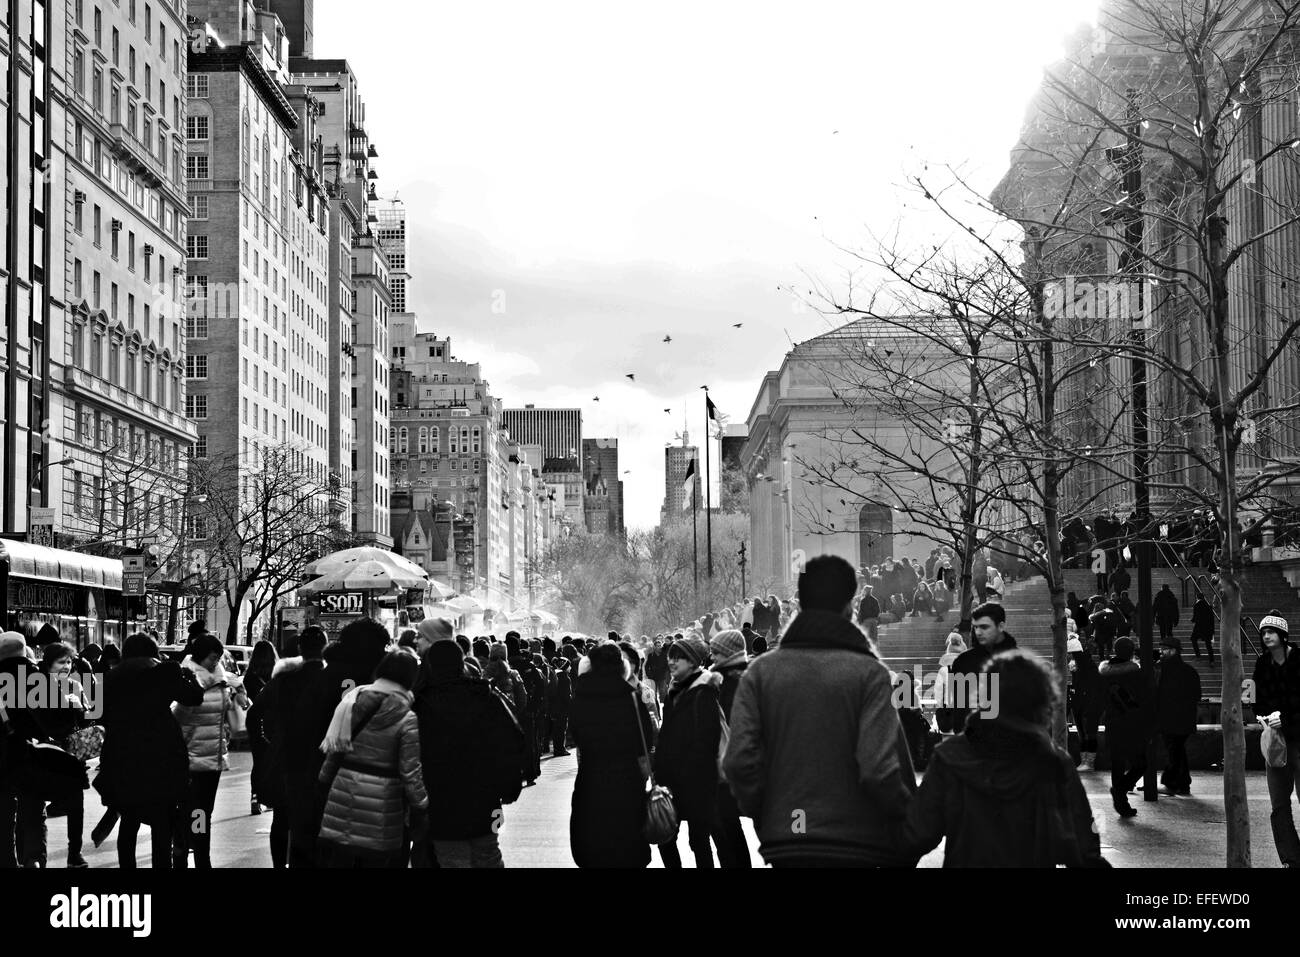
pixel 603 481
pixel 676 460
pixel 95 262
pixel 360 301
pixel 557 431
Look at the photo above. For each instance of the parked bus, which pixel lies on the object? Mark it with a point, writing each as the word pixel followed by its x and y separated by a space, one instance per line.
pixel 80 595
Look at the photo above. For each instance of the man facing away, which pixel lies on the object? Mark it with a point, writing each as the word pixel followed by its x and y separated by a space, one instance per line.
pixel 817 756
pixel 1177 696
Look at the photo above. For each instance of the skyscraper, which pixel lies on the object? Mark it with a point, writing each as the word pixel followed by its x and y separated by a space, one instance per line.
pixel 677 502
pixel 557 431
pixel 600 465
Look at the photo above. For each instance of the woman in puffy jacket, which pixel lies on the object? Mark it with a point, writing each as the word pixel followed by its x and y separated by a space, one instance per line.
pixel 372 770
pixel 206 728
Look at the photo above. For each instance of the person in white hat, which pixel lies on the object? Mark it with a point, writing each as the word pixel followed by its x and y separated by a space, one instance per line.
pixel 1277 705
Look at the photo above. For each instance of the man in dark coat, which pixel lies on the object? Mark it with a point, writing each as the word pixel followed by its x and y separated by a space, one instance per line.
pixel 297 707
pixel 535 710
pixel 1178 695
pixel 869 613
pixel 1104 621
pixel 989 636
pixel 750 635
pixel 560 703
pixel 467 734
pixel 1203 627
pixel 22 815
pixel 656 665
pixel 1165 609
pixel 1128 719
pixel 144 764
pixel 1126 608
pixel 1120 580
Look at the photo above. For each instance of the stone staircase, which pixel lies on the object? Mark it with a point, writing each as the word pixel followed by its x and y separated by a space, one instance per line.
pixel 920 641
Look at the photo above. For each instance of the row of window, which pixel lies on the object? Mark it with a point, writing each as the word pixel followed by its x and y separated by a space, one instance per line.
pixel 142 374
pixel 118 436
pixel 147 200
pixel 404 465
pixel 122 502
pixel 459 440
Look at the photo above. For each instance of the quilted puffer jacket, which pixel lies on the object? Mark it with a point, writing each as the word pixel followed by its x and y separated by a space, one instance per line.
pixel 206 726
pixel 377 778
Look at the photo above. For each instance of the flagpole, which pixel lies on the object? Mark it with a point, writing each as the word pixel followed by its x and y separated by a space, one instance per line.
pixel 695 541
pixel 708 486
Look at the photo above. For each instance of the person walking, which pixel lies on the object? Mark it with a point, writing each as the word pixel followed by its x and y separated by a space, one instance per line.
pixel 144 765
pixel 1001 793
pixel 1178 695
pixel 560 693
pixel 1165 609
pixel 817 756
pixel 1203 624
pixel 206 728
pixel 261 666
pixel 1104 622
pixel 1128 719
pixel 472 751
pixel 944 699
pixel 731 662
pixel 1277 706
pixel 372 770
pixel 612 731
pixel 1085 700
pixel 989 637
pixel 533 710
pixel 869 613
pixel 686 757
pixel 61 720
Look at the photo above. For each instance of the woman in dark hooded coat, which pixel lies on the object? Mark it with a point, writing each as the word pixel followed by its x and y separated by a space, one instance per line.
pixel 609 794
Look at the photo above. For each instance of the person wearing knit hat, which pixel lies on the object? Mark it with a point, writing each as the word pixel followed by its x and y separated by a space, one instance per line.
pixel 12 645
pixel 498 652
pixel 1276 622
pixel 1178 697
pixel 686 757
pixel 730 662
pixel 432 630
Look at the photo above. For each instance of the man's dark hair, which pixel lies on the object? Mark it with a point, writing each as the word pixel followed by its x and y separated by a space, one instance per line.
pixel 827 583
pixel 990 609
pixel 512 634
pixel 400 667
pixel 204 645
pixel 606 658
pixel 312 641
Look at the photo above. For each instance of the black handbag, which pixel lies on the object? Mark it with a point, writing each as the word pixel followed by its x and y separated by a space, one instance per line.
pixel 38 769
pixel 661 823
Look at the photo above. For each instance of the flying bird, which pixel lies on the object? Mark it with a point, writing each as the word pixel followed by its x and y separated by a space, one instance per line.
pixel 668 410
pixel 737 325
pixel 668 338
pixel 632 376
pixel 595 398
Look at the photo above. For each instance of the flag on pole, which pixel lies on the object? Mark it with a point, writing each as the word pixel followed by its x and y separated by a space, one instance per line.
pixel 688 485
pixel 713 409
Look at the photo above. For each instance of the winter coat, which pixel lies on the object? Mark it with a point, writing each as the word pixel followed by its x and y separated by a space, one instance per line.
pixel 560 693
pixel 686 759
pixel 1004 796
pixel 144 764
pixel 1277 688
pixel 1086 685
pixel 868 608
pixel 461 725
pixel 731 675
pixel 206 726
pixel 608 807
pixel 1165 608
pixel 1128 713
pixel 1177 695
pixel 293 714
pixel 373 783
pixel 1202 619
pixel 972 662
pixel 1120 580
pixel 507 681
pixel 656 664
pixel 815 740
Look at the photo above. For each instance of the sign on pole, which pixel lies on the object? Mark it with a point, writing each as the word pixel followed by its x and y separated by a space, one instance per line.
pixel 40 525
pixel 133 583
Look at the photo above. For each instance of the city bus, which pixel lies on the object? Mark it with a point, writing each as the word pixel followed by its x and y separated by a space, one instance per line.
pixel 80 595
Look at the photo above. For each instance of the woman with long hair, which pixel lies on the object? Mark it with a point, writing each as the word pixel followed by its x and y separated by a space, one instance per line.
pixel 261 665
pixel 61 720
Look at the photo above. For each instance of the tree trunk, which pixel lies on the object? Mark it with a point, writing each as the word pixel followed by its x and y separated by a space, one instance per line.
pixel 1223 415
pixel 173 609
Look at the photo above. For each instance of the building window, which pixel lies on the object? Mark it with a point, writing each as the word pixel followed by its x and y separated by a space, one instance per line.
pixel 196 247
pixel 201 447
pixel 196 406
pixel 196 85
pixel 477 435
pixel 196 127
pixel 196 327
pixel 403 440
pixel 198 206
pixel 196 367
pixel 196 167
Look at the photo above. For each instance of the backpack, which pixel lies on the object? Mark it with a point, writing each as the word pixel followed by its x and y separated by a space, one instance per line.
pixel 513 691
pixel 503 740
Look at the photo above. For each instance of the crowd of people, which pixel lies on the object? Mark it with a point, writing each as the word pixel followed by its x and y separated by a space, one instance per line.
pixel 375 752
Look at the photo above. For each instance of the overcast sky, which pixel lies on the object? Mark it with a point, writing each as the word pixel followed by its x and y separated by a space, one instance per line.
pixel 582 179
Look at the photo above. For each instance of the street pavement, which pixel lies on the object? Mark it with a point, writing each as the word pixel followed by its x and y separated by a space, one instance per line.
pixel 1172 832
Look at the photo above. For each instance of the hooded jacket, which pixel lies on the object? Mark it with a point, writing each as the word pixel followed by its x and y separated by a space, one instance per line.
pixel 1004 796
pixel 206 726
pixel 731 671
pixel 1177 695
pixel 686 758
pixel 378 776
pixel 815 741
